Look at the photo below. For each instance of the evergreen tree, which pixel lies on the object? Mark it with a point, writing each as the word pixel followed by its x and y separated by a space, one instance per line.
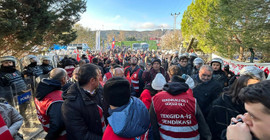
pixel 28 23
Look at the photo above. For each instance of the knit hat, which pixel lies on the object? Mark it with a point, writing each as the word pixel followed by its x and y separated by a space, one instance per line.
pixel 117 91
pixel 158 82
pixel 156 60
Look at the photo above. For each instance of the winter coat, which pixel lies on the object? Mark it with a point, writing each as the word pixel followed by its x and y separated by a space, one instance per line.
pixel 12 118
pixel 206 93
pixel 147 94
pixel 149 76
pixel 45 87
pixel 221 112
pixel 220 77
pixel 128 121
pixel 70 82
pixel 81 113
pixel 146 98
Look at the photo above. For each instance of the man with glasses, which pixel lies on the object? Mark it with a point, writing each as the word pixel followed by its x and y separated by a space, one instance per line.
pixel 183 64
pixel 206 90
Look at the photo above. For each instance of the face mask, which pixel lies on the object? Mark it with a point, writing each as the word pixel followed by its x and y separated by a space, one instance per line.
pixel 33 64
pixel 8 69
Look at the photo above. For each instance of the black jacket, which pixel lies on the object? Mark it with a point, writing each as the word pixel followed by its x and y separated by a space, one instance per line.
pixel 220 77
pixel 57 125
pixel 206 93
pixel 221 112
pixel 81 114
pixel 176 88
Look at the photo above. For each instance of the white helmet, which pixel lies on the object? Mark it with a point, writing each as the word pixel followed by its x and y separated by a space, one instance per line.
pixel 46 58
pixel 8 58
pixel 217 60
pixel 254 71
pixel 198 61
pixel 185 54
pixel 193 55
pixel 27 59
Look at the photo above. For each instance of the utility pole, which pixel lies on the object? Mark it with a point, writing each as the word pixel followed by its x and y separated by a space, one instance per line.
pixel 175 15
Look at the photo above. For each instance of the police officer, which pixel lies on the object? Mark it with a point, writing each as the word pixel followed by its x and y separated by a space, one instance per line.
pixel 218 74
pixel 10 77
pixel 46 67
pixel 32 69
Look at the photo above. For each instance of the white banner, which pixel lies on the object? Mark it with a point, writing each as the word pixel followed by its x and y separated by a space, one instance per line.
pixel 98 40
pixel 236 66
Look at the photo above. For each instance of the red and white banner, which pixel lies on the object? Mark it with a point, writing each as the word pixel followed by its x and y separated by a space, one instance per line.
pixel 236 66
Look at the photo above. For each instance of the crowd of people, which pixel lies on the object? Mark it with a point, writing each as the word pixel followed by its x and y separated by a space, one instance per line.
pixel 152 95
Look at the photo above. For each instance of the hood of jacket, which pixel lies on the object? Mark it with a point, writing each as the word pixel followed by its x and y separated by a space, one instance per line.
pixel 131 120
pixel 176 88
pixel 47 86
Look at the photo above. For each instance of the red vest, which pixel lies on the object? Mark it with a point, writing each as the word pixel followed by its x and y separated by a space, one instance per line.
pixel 126 68
pixel 134 79
pixel 176 116
pixel 4 132
pixel 43 106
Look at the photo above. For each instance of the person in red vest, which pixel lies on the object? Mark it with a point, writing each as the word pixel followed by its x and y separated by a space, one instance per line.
pixel 176 115
pixel 49 102
pixel 134 73
pixel 129 119
pixel 4 132
pixel 109 74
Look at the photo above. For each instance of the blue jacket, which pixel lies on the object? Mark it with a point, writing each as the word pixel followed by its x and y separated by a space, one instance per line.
pixel 131 120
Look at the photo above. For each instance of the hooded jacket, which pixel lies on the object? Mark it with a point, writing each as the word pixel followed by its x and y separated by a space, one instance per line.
pixel 45 87
pixel 128 121
pixel 176 88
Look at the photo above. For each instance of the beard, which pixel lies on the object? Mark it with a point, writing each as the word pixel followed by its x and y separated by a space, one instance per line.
pixel 8 69
pixel 133 64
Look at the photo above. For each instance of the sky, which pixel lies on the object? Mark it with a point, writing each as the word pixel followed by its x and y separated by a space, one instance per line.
pixel 139 15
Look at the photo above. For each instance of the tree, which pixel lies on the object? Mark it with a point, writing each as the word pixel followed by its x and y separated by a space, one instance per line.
pixel 121 36
pixel 131 38
pixel 84 35
pixel 240 25
pixel 227 26
pixel 171 40
pixel 28 23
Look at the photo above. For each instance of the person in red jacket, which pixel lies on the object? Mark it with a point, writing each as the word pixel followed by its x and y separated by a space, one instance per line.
pixel 152 89
pixel 129 119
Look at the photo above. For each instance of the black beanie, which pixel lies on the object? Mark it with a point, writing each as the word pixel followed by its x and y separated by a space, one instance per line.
pixel 117 91
pixel 156 60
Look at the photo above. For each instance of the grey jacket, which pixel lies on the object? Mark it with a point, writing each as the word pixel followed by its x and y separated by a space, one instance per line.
pixel 12 118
